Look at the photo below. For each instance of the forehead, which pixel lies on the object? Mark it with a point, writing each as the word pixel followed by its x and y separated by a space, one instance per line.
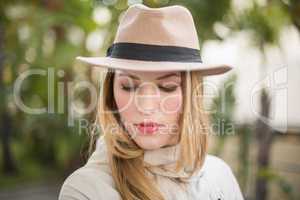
pixel 142 75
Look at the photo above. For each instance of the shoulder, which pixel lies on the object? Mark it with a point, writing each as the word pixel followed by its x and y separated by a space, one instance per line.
pixel 217 164
pixel 220 176
pixel 216 170
pixel 215 167
pixel 92 181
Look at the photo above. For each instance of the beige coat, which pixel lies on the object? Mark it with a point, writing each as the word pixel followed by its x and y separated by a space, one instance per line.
pixel 93 181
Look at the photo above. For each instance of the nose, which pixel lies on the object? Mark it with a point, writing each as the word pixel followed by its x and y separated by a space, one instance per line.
pixel 147 99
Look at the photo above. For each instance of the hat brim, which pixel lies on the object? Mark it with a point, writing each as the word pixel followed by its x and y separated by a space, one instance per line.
pixel 151 66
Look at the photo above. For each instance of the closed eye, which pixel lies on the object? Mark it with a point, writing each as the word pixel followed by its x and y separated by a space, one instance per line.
pixel 168 89
pixel 162 88
pixel 128 88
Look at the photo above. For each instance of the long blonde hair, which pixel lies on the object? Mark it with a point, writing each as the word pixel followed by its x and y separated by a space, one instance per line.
pixel 126 157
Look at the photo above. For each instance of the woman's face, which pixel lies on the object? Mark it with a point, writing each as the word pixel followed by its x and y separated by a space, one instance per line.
pixel 149 104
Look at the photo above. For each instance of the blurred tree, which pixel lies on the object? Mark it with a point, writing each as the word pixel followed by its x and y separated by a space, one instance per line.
pixel 43 35
pixel 244 133
pixel 264 22
pixel 292 9
pixel 222 111
pixel 6 127
pixel 264 135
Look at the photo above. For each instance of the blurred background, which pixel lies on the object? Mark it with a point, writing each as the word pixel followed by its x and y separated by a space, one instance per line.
pixel 257 118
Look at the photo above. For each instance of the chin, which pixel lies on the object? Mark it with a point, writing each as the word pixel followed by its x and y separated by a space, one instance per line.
pixel 149 143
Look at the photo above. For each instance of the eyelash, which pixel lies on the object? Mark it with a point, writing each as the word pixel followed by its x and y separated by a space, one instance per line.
pixel 165 89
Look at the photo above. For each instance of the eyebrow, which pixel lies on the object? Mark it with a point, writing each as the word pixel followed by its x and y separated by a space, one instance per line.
pixel 159 78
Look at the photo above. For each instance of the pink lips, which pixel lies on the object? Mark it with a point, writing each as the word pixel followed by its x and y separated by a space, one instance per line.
pixel 148 128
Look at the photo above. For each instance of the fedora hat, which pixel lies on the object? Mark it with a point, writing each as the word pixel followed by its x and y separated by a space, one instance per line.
pixel 156 39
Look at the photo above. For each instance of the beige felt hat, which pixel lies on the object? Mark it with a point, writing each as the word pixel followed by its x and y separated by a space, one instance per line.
pixel 156 39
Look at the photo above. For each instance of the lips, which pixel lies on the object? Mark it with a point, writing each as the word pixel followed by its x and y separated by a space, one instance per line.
pixel 148 128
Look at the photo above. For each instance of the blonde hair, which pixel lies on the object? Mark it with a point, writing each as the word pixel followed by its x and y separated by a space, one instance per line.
pixel 126 158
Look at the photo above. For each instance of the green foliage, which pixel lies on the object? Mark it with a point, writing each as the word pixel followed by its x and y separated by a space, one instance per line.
pixel 36 36
pixel 272 176
pixel 223 108
pixel 264 22
pixel 206 13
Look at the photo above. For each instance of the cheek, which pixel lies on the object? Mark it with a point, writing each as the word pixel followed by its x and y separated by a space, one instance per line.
pixel 172 104
pixel 123 100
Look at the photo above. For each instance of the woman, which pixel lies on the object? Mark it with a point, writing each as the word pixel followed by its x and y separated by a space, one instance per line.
pixel 154 141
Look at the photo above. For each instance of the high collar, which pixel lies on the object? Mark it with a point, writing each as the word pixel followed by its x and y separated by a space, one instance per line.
pixel 162 156
pixel 161 161
pixel 154 157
